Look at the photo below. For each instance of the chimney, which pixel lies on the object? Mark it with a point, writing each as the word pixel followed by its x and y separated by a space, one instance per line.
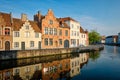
pixel 11 19
pixel 24 17
pixel 37 17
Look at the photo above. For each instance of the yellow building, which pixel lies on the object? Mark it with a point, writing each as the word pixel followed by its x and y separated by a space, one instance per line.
pixel 26 34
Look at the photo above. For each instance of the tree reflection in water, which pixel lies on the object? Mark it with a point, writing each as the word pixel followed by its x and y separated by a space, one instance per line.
pixel 94 55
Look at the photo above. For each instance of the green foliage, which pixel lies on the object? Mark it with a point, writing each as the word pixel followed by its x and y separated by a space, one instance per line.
pixel 94 37
pixel 94 55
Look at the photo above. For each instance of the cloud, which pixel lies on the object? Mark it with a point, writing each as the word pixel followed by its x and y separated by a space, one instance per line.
pixel 90 23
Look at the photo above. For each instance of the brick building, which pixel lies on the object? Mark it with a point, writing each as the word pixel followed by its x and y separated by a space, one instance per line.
pixel 5 31
pixel 55 34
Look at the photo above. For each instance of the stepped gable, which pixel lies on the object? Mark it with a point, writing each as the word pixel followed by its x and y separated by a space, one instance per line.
pixel 18 23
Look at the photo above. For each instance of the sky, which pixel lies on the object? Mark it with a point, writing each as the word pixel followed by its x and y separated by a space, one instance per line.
pixel 100 15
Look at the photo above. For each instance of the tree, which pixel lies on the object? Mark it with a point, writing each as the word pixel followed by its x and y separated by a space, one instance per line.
pixel 94 37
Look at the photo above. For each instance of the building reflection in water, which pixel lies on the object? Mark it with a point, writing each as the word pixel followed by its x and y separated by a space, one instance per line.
pixel 56 67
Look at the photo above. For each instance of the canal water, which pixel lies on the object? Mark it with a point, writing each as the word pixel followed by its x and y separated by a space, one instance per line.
pixel 102 65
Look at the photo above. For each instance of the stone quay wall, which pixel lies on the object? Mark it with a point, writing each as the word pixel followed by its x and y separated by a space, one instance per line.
pixel 20 54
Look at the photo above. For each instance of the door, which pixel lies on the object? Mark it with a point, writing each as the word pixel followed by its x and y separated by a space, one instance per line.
pixel 7 45
pixel 66 44
pixel 39 45
pixel 22 45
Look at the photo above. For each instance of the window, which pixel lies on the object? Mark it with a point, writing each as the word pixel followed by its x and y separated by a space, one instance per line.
pixel 27 69
pixel 17 71
pixel 7 74
pixel 60 32
pixel 31 43
pixel 66 32
pixel 77 33
pixel 77 27
pixel 60 66
pixel 16 44
pixel 72 26
pixel 55 31
pixel 50 22
pixel 72 33
pixel 51 31
pixel 36 35
pixel 27 34
pixel 46 30
pixel 16 34
pixel 27 27
pixel 60 41
pixel 72 64
pixel 36 68
pixel 46 41
pixel 7 31
pixel 51 41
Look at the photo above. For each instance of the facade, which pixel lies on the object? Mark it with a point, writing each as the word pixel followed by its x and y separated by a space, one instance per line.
pixel 6 74
pixel 53 35
pixel 84 41
pixel 5 31
pixel 45 32
pixel 74 31
pixel 102 39
pixel 118 38
pixel 26 72
pixel 111 39
pixel 26 34
pixel 74 66
pixel 55 69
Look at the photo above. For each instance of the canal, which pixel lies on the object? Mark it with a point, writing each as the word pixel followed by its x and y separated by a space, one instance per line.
pixel 102 65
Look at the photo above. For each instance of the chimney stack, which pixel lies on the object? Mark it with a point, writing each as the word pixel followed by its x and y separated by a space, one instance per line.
pixel 11 19
pixel 24 17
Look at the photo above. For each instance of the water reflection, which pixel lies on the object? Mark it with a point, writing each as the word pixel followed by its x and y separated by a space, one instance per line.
pixel 56 67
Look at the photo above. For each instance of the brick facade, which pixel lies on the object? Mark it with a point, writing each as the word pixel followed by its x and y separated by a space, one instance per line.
pixel 5 31
pixel 53 34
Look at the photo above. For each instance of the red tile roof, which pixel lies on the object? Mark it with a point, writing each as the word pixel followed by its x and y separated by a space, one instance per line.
pixel 7 18
pixel 82 30
pixel 17 23
pixel 67 19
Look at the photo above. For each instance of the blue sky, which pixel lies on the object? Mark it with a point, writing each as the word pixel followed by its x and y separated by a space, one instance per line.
pixel 100 15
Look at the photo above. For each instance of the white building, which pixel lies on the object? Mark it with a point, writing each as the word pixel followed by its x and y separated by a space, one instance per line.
pixel 74 66
pixel 74 31
pixel 83 37
pixel 26 34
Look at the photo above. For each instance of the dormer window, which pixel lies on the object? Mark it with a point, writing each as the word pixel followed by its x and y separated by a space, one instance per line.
pixel 50 21
pixel 27 27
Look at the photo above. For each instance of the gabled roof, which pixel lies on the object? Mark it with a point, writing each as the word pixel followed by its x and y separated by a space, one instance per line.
pixel 82 30
pixel 67 19
pixel 112 36
pixel 17 23
pixel 35 26
pixel 7 18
